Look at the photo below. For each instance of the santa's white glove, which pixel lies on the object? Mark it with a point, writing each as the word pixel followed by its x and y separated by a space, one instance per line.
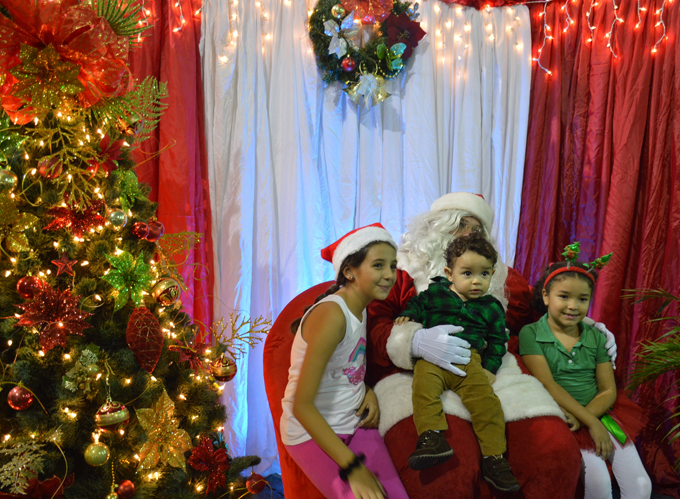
pixel 611 341
pixel 437 346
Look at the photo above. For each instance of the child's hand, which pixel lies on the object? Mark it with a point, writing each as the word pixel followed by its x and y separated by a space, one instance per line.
pixel 365 485
pixel 401 320
pixel 490 376
pixel 603 443
pixel 573 423
pixel 369 404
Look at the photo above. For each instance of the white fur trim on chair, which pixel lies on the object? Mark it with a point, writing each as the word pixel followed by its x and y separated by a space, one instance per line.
pixel 399 344
pixel 522 396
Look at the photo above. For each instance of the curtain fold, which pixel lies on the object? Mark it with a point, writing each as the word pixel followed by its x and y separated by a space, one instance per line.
pixel 173 160
pixel 601 168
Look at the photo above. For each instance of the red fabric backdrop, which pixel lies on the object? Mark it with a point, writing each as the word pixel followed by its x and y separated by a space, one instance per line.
pixel 173 161
pixel 602 168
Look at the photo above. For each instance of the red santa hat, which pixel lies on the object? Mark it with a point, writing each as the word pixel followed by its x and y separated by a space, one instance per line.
pixel 474 204
pixel 352 242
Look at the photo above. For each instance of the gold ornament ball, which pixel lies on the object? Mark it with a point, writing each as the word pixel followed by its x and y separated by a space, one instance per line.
pixel 166 291
pixel 97 454
pixel 223 369
pixel 8 180
pixel 338 11
pixel 112 495
pixel 118 219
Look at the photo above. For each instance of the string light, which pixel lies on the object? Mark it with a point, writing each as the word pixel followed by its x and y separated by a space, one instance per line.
pixel 546 36
pixel 639 9
pixel 565 8
pixel 660 23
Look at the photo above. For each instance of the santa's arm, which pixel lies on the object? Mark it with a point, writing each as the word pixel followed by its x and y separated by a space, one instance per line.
pixel 381 315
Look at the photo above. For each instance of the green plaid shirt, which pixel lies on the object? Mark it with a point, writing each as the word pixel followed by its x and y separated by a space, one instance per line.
pixel 483 319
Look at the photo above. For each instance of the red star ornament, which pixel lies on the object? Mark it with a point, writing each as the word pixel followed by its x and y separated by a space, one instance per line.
pixel 204 457
pixel 64 264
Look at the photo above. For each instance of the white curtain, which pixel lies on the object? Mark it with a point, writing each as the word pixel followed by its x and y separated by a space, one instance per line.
pixel 294 164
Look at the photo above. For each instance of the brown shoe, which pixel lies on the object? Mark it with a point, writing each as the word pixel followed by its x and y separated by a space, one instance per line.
pixel 496 470
pixel 432 448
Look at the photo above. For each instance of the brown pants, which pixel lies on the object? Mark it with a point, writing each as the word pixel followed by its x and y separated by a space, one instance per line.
pixel 488 422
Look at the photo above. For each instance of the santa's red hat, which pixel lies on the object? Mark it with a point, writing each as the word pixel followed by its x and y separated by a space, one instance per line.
pixel 474 204
pixel 352 242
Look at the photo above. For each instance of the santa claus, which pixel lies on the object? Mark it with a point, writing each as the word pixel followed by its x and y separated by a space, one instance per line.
pixel 541 450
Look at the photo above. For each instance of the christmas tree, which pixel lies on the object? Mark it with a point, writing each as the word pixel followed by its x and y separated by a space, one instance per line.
pixel 111 389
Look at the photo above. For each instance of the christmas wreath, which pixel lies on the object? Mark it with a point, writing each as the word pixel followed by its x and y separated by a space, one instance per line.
pixel 335 30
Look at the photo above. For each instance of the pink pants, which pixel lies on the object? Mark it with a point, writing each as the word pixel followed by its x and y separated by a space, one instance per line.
pixel 324 472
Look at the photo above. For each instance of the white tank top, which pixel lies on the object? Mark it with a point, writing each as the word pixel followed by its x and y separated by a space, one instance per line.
pixel 342 388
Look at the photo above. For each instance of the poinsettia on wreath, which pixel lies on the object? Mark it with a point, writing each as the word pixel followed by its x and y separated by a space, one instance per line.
pixel 334 28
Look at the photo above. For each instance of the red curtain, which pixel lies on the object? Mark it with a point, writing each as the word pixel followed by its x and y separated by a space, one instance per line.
pixel 602 168
pixel 173 162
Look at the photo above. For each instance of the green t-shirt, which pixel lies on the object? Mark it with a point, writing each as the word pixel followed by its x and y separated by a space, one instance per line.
pixel 574 371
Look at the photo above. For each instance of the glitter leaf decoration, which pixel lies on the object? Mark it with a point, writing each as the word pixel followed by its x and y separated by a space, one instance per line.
pixel 129 189
pixel 13 224
pixel 44 78
pixel 129 277
pixel 166 442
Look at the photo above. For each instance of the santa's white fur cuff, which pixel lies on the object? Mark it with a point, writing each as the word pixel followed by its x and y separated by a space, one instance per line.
pixel 399 344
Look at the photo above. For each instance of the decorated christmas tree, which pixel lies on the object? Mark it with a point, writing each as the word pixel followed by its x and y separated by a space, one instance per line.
pixel 111 390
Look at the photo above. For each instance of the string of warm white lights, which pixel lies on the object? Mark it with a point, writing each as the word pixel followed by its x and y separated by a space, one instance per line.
pixel 570 21
pixel 182 21
pixel 610 34
pixel 659 12
pixel 546 37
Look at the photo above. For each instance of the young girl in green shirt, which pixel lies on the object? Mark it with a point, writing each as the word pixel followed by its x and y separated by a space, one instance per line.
pixel 569 358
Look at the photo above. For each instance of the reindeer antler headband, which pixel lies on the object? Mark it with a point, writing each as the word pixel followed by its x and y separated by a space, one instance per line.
pixel 570 254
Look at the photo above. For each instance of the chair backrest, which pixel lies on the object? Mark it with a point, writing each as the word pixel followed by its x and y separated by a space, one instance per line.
pixel 276 358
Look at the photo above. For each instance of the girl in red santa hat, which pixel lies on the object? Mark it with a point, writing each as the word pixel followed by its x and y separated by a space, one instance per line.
pixel 329 415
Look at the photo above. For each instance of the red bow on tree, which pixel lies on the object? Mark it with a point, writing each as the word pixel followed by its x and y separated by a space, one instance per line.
pixel 79 37
pixel 204 457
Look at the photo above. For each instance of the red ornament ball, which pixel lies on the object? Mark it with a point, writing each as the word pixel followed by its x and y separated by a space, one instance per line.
pixel 255 483
pixel 348 64
pixel 140 229
pixel 19 398
pixel 156 230
pixel 112 416
pixel 125 489
pixel 29 286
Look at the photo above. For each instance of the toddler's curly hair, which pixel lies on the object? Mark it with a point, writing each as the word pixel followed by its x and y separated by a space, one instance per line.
pixel 476 243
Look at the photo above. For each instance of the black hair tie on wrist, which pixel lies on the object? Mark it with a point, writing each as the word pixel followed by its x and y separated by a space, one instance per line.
pixel 346 471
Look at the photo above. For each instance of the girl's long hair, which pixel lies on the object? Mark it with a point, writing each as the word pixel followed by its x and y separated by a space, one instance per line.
pixel 537 301
pixel 353 261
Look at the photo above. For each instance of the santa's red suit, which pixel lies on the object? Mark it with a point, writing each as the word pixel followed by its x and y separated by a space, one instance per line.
pixel 543 453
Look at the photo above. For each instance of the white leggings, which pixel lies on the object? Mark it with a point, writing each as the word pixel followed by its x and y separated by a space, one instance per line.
pixel 628 471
